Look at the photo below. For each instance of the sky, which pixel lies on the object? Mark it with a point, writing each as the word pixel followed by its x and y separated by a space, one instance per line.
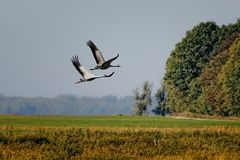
pixel 39 37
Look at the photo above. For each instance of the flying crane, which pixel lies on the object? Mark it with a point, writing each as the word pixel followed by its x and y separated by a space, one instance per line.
pixel 86 74
pixel 101 63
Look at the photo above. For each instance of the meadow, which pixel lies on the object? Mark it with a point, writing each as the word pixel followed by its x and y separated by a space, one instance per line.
pixel 118 137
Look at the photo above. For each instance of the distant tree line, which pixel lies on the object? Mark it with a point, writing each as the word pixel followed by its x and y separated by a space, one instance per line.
pixel 66 105
pixel 203 71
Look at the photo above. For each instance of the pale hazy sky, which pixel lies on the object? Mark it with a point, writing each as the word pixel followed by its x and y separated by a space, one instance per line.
pixel 38 38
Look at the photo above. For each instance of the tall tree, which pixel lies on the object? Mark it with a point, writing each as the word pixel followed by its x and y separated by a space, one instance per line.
pixel 143 100
pixel 186 63
pixel 161 97
pixel 229 80
pixel 202 71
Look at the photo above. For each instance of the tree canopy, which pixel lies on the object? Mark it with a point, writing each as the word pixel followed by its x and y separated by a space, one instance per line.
pixel 202 72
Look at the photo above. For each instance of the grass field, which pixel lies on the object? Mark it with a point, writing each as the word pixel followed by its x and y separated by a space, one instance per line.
pixel 111 121
pixel 117 137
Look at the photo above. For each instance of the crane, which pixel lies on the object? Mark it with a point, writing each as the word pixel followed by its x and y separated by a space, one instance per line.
pixel 101 63
pixel 86 74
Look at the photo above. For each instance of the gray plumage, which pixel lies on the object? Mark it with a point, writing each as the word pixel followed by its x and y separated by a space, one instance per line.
pixel 101 63
pixel 86 74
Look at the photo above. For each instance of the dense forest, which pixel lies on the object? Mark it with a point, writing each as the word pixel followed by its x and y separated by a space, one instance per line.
pixel 203 71
pixel 66 105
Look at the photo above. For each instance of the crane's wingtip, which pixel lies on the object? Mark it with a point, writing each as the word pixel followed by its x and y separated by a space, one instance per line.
pixel 74 58
pixel 89 43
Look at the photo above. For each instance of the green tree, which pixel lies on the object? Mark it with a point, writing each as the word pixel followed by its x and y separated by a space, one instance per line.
pixel 202 71
pixel 143 100
pixel 186 63
pixel 161 97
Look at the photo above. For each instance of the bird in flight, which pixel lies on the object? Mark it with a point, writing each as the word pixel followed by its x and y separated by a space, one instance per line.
pixel 87 75
pixel 101 63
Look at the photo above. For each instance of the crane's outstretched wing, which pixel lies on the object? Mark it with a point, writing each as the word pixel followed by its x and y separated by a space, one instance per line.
pixel 77 64
pixel 108 62
pixel 96 52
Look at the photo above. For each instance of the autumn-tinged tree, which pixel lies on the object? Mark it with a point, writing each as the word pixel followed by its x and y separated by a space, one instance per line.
pixel 211 89
pixel 229 80
pixel 143 100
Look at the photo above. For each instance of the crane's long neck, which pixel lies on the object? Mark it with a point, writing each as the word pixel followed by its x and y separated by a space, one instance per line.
pixel 81 80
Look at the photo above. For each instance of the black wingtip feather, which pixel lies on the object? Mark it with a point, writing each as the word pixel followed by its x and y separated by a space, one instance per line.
pixel 91 44
pixel 75 60
pixel 77 64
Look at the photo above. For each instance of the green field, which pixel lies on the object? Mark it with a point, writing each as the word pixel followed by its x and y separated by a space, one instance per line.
pixel 111 121
pixel 117 137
